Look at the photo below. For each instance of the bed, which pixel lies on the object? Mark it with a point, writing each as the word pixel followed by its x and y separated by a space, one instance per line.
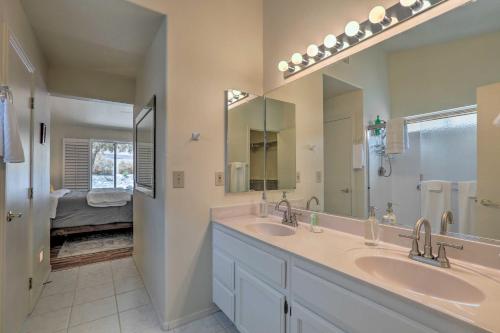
pixel 72 214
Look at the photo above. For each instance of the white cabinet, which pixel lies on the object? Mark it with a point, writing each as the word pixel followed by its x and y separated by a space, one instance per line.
pixel 259 308
pixel 304 321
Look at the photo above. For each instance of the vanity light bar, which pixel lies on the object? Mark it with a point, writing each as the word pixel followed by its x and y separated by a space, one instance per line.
pixel 379 20
pixel 234 96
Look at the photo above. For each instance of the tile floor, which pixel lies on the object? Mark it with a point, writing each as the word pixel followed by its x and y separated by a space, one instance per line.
pixel 107 297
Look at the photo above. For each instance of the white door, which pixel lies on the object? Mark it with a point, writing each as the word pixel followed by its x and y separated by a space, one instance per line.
pixel 16 298
pixel 305 321
pixel 338 166
pixel 259 308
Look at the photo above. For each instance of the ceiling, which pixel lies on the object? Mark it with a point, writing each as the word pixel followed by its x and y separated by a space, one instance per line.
pixel 475 18
pixel 91 113
pixel 108 36
pixel 333 87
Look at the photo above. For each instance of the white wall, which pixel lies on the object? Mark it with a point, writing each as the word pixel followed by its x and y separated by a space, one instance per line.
pixel 443 76
pixel 65 130
pixel 149 213
pixel 91 84
pixel 195 103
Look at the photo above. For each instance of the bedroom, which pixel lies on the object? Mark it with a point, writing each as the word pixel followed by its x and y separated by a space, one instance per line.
pixel 91 165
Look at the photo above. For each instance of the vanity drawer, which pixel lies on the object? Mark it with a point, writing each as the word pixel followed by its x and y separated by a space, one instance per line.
pixel 223 298
pixel 223 269
pixel 344 308
pixel 267 266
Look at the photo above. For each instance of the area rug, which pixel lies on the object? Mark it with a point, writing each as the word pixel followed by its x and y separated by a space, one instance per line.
pixel 95 243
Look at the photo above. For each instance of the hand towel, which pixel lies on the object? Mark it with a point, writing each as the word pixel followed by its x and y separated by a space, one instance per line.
pixel 466 206
pixel 11 147
pixel 435 199
pixel 358 156
pixel 238 181
pixel 397 136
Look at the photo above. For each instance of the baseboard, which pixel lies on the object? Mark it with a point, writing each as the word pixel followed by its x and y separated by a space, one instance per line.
pixel 170 325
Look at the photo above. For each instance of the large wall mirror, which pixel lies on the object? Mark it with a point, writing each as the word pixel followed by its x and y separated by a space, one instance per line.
pixel 407 123
pixel 260 143
pixel 145 132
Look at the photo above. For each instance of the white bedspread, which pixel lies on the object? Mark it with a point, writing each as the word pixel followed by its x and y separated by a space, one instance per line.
pixel 108 197
pixel 54 201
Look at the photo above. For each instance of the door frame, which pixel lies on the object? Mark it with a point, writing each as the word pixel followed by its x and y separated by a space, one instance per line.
pixel 8 40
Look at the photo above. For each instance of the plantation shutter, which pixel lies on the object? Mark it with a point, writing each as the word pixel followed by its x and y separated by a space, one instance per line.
pixel 76 164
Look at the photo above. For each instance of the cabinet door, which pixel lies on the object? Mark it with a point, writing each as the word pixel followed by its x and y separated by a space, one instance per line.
pixel 304 321
pixel 259 308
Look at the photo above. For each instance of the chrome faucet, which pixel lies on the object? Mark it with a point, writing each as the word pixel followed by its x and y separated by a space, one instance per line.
pixel 427 257
pixel 308 205
pixel 446 218
pixel 289 218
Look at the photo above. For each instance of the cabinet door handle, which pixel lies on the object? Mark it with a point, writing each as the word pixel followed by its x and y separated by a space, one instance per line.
pixel 12 215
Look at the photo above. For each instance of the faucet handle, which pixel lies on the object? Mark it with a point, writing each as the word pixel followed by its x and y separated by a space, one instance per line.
pixel 454 246
pixel 414 245
pixel 442 259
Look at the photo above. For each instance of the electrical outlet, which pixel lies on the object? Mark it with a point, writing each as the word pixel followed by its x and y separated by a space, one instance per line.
pixel 219 178
pixel 318 177
pixel 178 179
pixel 297 177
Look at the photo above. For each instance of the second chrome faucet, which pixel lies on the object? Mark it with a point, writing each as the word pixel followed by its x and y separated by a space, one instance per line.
pixel 427 257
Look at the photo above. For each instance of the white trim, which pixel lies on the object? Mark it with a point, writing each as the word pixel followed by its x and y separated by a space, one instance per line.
pixel 169 325
pixel 460 111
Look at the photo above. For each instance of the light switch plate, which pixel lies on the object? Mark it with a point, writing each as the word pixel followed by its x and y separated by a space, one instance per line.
pixel 178 179
pixel 318 177
pixel 297 177
pixel 219 178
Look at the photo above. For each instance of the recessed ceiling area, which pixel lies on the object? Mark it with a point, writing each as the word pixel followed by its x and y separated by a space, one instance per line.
pixel 333 87
pixel 108 36
pixel 89 113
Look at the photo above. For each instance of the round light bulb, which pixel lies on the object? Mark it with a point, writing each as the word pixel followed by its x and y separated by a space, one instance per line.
pixel 410 3
pixel 297 58
pixel 283 66
pixel 229 95
pixel 378 16
pixel 353 29
pixel 330 41
pixel 236 93
pixel 313 50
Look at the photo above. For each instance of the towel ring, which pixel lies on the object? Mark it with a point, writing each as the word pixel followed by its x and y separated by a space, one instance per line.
pixel 489 203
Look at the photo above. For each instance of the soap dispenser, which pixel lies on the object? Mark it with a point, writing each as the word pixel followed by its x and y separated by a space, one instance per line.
pixel 389 217
pixel 263 206
pixel 371 229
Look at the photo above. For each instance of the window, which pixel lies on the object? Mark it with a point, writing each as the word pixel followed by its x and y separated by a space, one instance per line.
pixel 112 165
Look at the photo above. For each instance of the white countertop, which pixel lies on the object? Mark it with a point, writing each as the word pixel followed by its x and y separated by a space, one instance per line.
pixel 338 251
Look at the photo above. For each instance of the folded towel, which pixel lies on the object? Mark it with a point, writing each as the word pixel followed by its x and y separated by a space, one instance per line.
pixel 358 156
pixel 435 198
pixel 108 197
pixel 54 201
pixel 11 147
pixel 466 206
pixel 397 136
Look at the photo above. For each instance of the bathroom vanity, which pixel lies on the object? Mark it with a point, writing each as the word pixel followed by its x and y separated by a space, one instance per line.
pixel 268 277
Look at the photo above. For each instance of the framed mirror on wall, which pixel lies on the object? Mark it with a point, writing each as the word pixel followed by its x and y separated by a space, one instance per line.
pixel 145 149
pixel 260 143
pixel 407 126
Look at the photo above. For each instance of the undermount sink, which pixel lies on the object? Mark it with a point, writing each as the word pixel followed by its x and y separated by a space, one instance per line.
pixel 271 229
pixel 420 279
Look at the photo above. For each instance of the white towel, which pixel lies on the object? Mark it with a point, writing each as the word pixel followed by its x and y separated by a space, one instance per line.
pixel 238 181
pixel 54 201
pixel 466 206
pixel 108 197
pixel 496 122
pixel 435 199
pixel 11 147
pixel 397 136
pixel 358 156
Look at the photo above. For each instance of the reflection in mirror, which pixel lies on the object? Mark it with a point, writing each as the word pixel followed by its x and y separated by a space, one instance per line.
pixel 280 154
pixel 145 126
pixel 245 152
pixel 407 126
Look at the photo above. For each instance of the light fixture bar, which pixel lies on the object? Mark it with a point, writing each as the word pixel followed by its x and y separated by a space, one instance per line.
pixel 379 20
